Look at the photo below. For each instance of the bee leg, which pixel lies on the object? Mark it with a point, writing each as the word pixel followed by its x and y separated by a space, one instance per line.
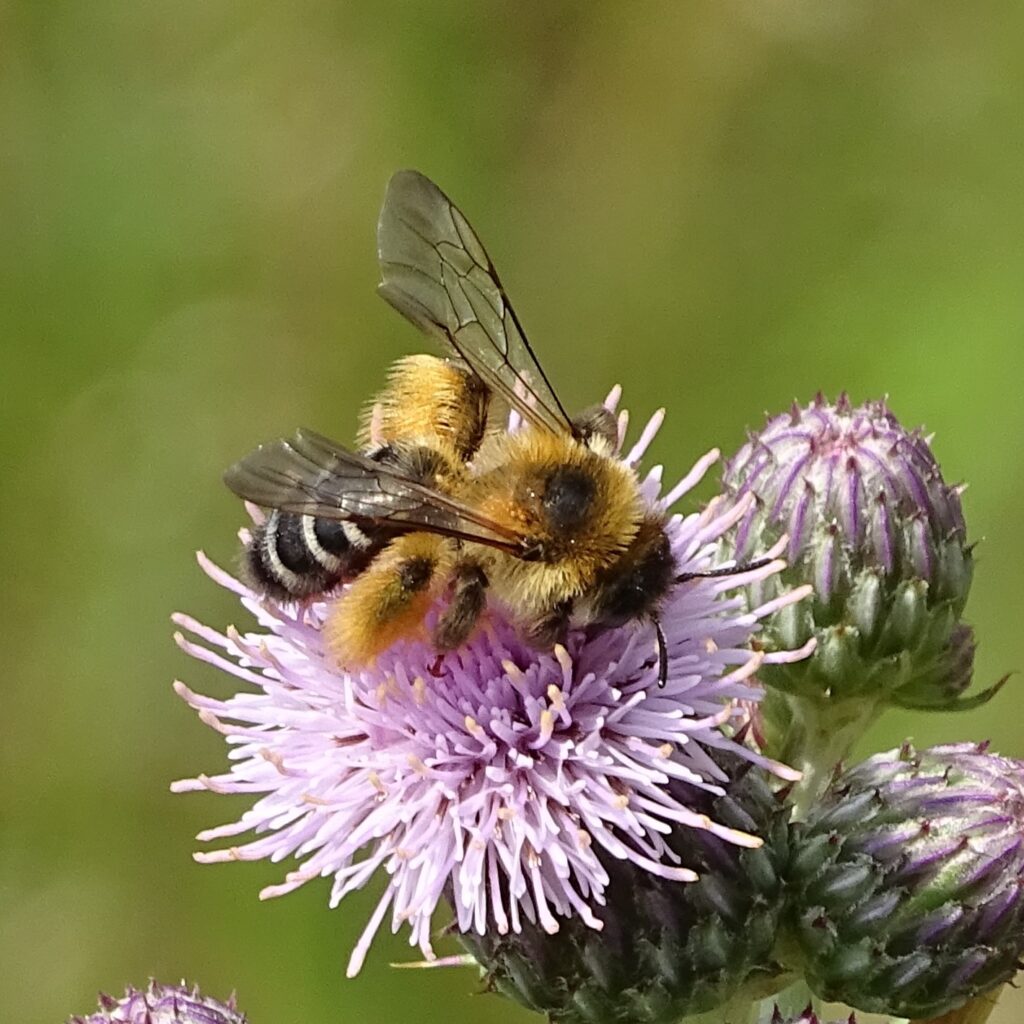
pixel 469 598
pixel 388 601
pixel 551 628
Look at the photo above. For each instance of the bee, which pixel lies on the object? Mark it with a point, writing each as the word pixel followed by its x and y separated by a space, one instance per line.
pixel 435 507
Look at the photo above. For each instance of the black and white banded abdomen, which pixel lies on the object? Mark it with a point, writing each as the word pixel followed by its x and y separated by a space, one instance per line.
pixel 296 556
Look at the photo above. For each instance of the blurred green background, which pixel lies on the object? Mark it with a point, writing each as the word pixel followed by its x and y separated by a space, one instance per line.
pixel 722 205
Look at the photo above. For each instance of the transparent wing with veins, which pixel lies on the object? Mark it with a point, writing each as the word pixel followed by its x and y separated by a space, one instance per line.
pixel 308 474
pixel 435 272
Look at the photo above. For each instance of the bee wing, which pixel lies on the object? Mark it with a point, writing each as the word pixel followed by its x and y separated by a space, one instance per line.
pixel 435 272
pixel 309 475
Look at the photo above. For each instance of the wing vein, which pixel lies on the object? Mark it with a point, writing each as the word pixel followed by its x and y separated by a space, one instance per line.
pixel 436 272
pixel 311 475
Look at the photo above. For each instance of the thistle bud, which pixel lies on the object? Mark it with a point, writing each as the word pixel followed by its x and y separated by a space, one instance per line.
pixel 907 881
pixel 162 1004
pixel 872 525
pixel 666 949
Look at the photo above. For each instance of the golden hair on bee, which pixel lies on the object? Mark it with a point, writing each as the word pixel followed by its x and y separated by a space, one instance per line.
pixel 580 508
pixel 428 401
pixel 388 600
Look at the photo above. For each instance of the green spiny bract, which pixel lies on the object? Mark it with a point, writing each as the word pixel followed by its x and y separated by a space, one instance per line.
pixel 668 949
pixel 906 881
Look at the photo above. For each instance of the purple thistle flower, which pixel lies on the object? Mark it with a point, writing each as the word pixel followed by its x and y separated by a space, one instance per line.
pixel 907 880
pixel 855 472
pixel 163 1004
pixel 880 535
pixel 498 773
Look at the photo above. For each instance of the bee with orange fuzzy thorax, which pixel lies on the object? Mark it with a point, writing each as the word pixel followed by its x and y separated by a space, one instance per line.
pixel 437 508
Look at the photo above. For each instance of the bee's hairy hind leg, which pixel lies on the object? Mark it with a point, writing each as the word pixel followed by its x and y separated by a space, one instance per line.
pixel 469 598
pixel 388 601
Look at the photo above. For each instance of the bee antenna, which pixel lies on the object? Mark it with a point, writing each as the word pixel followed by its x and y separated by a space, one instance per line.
pixel 732 570
pixel 662 653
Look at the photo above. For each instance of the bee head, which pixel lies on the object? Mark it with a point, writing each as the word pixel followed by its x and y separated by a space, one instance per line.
pixel 633 586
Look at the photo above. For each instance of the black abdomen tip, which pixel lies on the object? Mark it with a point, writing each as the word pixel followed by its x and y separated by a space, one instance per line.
pixel 292 556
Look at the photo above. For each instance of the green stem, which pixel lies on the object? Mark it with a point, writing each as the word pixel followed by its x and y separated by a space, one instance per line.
pixel 819 733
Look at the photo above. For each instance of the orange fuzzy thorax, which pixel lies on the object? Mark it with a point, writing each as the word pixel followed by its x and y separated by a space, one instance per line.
pixel 506 486
pixel 428 401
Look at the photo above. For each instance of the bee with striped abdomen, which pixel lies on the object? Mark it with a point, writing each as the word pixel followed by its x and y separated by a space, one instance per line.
pixel 437 508
pixel 429 404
